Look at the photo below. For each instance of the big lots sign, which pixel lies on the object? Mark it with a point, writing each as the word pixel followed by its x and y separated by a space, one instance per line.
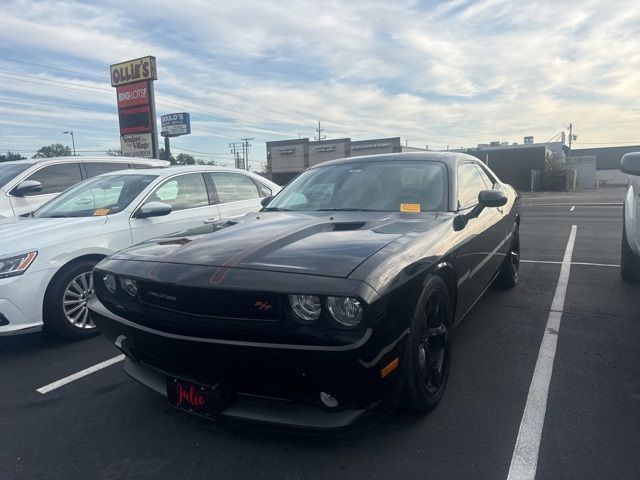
pixel 133 95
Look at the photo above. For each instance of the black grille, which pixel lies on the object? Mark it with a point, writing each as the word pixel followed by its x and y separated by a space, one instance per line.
pixel 212 303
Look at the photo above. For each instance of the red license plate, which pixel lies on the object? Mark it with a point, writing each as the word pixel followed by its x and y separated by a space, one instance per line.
pixel 194 398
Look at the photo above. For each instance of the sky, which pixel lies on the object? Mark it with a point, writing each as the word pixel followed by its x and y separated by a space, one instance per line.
pixel 453 73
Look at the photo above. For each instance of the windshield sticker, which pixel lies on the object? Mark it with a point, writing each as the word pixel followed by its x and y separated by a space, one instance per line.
pixel 101 211
pixel 410 207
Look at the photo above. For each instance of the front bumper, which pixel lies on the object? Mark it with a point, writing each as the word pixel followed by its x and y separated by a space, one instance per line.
pixel 21 300
pixel 274 384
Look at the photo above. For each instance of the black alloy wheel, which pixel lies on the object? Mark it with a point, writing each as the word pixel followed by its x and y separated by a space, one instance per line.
pixel 508 276
pixel 429 348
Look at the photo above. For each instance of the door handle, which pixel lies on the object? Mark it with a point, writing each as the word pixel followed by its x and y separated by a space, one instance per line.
pixel 208 221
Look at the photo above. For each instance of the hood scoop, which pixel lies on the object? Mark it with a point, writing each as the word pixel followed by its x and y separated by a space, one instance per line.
pixel 345 226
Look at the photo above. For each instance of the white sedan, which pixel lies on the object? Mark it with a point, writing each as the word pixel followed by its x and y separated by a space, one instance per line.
pixel 46 259
pixel 630 257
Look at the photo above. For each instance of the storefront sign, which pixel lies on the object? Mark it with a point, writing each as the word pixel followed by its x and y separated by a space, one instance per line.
pixel 133 95
pixel 133 71
pixel 137 145
pixel 371 146
pixel 175 124
pixel 326 148
pixel 286 150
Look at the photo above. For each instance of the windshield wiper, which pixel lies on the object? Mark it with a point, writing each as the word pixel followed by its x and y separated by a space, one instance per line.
pixel 275 209
pixel 57 216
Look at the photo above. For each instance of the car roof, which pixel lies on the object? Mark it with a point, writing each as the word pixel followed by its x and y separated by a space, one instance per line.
pixel 168 171
pixel 450 158
pixel 91 158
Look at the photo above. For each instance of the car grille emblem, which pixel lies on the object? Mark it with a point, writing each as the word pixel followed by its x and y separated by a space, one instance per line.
pixel 262 305
pixel 164 296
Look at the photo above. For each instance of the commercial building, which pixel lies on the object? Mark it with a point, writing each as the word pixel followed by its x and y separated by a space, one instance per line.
pixel 287 158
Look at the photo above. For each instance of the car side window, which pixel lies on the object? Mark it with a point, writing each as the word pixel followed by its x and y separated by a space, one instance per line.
pixel 233 187
pixel 470 184
pixel 264 190
pixel 488 179
pixel 182 192
pixel 57 178
pixel 98 168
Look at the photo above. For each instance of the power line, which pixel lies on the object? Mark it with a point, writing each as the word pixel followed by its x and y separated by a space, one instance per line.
pixel 50 67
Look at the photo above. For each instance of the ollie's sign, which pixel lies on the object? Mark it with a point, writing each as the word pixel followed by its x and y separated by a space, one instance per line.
pixel 133 71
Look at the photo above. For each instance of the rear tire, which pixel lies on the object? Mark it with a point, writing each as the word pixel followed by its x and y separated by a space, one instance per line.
pixel 508 276
pixel 629 261
pixel 65 311
pixel 429 348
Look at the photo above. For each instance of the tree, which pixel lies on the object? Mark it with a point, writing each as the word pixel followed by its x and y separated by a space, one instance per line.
pixel 202 161
pixel 185 159
pixel 163 156
pixel 114 152
pixel 53 150
pixel 11 156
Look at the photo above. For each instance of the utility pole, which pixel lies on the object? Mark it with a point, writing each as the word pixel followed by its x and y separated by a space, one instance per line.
pixel 572 137
pixel 245 151
pixel 73 142
pixel 233 146
pixel 320 130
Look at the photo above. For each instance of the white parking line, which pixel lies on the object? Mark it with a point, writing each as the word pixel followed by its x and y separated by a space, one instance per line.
pixel 82 373
pixel 588 264
pixel 524 461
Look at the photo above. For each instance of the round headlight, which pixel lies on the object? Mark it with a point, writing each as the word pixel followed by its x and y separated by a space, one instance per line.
pixel 109 282
pixel 306 307
pixel 129 286
pixel 346 311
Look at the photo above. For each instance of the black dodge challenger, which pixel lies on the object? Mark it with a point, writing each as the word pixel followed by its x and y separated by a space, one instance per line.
pixel 338 298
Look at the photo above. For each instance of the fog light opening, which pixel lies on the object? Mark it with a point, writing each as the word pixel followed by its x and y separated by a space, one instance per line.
pixel 327 400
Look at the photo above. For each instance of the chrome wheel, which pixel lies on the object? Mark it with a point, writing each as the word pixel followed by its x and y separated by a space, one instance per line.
pixel 74 301
pixel 433 347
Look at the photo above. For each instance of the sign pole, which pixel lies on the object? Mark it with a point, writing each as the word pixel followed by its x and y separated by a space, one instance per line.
pixel 167 148
pixel 154 130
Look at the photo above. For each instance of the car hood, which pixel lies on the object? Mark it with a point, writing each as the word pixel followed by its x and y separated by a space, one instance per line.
pixel 314 243
pixel 18 234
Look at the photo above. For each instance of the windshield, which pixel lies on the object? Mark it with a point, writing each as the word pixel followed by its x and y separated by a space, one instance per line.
pixel 414 186
pixel 8 171
pixel 99 196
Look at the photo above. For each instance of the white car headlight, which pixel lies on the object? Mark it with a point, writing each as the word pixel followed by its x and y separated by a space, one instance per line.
pixel 17 265
pixel 306 307
pixel 346 311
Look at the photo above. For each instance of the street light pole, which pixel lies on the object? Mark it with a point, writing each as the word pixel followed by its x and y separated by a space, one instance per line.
pixel 73 142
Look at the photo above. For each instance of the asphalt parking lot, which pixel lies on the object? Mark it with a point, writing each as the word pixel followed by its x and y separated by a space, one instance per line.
pixel 105 426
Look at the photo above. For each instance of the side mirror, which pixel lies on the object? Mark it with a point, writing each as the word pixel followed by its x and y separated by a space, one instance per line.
pixel 631 163
pixel 265 201
pixel 492 198
pixel 154 209
pixel 28 187
pixel 486 199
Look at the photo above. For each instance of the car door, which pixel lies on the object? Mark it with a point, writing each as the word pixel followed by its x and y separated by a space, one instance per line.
pixel 189 198
pixel 237 194
pixel 486 246
pixel 55 179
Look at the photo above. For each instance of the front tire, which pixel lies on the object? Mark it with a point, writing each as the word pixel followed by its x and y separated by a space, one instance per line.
pixel 508 276
pixel 629 261
pixel 429 347
pixel 65 309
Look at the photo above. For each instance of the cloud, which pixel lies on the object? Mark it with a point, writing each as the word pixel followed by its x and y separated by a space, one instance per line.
pixel 458 72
